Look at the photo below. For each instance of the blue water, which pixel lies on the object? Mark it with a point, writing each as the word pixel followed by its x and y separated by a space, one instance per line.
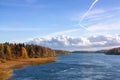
pixel 74 66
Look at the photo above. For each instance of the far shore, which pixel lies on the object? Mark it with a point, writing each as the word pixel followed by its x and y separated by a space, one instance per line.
pixel 7 67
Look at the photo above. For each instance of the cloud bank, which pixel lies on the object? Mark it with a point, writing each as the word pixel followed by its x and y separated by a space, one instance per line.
pixel 78 43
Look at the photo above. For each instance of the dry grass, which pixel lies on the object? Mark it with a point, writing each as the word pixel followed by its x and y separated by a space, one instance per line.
pixel 5 74
pixel 6 68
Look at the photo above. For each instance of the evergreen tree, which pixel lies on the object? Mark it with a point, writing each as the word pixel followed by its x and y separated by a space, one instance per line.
pixel 2 51
pixel 31 52
pixel 7 51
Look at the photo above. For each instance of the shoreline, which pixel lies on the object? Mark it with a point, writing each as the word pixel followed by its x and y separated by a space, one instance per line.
pixel 7 67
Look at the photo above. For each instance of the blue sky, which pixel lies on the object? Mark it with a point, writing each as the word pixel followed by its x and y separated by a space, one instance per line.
pixel 24 19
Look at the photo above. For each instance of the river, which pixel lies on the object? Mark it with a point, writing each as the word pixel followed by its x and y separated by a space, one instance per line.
pixel 75 66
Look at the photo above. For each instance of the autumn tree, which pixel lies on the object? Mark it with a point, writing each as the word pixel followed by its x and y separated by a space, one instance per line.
pixel 24 53
pixel 10 51
pixel 7 52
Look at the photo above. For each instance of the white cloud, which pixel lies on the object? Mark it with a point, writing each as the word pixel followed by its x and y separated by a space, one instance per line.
pixel 77 43
pixel 104 27
pixel 101 20
pixel 98 15
pixel 96 11
pixel 64 32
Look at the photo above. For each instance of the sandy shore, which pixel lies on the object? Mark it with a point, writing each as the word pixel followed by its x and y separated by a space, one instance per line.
pixel 7 67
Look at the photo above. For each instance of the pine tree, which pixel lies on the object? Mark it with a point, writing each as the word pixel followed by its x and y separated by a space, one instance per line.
pixel 7 51
pixel 2 51
pixel 31 52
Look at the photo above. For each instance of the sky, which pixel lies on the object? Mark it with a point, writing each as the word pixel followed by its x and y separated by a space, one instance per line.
pixel 25 19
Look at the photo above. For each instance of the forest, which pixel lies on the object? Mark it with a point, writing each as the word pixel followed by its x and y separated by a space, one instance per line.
pixel 10 51
pixel 114 51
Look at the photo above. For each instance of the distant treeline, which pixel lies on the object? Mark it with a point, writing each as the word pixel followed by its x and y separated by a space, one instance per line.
pixel 99 51
pixel 114 51
pixel 10 51
pixel 62 51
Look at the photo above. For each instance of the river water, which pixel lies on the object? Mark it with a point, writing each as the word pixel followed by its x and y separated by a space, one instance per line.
pixel 75 66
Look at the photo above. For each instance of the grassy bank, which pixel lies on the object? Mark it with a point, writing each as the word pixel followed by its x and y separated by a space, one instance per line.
pixel 7 67
pixel 5 74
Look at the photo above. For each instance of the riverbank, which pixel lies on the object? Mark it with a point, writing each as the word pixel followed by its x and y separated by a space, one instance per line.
pixel 7 67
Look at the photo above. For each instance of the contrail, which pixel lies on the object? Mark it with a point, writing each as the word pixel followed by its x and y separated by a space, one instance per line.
pixel 74 30
pixel 92 5
pixel 84 27
pixel 84 15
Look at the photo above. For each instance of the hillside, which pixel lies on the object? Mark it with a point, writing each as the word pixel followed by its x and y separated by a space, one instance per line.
pixel 98 51
pixel 62 52
pixel 18 55
pixel 16 51
pixel 114 51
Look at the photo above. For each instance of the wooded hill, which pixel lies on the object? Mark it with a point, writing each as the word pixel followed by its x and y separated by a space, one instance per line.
pixel 114 51
pixel 62 52
pixel 10 51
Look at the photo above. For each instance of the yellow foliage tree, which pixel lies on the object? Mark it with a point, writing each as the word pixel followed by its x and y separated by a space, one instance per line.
pixel 24 53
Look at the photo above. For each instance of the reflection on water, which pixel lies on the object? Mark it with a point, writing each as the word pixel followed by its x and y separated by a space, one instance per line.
pixel 74 66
